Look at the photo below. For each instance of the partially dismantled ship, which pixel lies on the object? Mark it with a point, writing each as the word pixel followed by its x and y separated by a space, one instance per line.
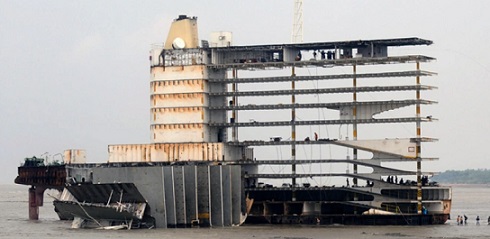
pixel 197 171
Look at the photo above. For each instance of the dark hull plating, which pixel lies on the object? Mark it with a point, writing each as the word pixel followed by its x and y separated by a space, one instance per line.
pixel 351 219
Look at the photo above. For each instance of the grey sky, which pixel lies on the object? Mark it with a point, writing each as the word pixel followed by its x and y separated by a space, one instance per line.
pixel 74 74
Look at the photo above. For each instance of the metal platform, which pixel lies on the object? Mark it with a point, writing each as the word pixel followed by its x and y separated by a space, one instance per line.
pixel 408 41
pixel 325 63
pixel 334 105
pixel 322 77
pixel 323 122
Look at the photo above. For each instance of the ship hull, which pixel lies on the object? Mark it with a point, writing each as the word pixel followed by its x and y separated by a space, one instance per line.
pixel 350 219
pixel 348 206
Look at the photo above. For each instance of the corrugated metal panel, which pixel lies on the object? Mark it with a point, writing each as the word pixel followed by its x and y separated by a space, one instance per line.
pixel 216 195
pixel 74 156
pixel 179 115
pixel 106 193
pixel 173 152
pixel 178 100
pixel 172 73
pixel 177 86
pixel 184 133
pixel 178 195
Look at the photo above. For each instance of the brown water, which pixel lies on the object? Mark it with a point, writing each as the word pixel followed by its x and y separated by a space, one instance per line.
pixel 471 200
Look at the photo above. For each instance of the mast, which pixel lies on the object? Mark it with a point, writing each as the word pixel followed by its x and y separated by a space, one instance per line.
pixel 297 34
pixel 296 37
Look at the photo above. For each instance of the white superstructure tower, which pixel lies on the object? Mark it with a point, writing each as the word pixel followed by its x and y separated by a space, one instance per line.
pixel 179 103
pixel 179 90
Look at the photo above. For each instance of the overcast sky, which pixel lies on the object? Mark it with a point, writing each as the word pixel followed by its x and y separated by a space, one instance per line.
pixel 75 74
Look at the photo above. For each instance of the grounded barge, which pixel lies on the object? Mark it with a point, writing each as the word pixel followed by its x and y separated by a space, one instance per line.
pixel 197 171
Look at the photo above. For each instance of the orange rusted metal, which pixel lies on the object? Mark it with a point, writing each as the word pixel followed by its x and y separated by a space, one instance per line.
pixel 46 176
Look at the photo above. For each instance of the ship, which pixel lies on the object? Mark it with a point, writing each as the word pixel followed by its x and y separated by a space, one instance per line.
pixel 198 171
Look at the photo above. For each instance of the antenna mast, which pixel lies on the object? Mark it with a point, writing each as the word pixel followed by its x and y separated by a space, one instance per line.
pixel 297 35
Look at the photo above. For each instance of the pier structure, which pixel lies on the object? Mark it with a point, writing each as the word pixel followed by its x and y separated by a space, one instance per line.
pixel 42 175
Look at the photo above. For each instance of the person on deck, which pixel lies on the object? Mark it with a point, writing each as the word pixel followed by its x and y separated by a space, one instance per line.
pixel 298 57
pixel 330 55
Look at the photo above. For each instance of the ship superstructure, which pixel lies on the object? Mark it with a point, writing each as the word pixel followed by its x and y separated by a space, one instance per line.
pixel 198 170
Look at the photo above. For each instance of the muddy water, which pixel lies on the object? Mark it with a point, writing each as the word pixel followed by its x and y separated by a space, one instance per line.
pixel 471 200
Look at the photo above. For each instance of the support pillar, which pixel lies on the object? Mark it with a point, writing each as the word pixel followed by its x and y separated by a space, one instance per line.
pixel 354 131
pixel 354 125
pixel 293 132
pixel 234 113
pixel 36 199
pixel 418 147
pixel 33 208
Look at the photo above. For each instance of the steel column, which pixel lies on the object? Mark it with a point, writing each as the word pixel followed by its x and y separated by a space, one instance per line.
pixel 293 130
pixel 354 125
pixel 234 113
pixel 418 148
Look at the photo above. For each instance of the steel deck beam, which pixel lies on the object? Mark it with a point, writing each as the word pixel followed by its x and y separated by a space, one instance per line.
pixel 335 105
pixel 409 41
pixel 325 63
pixel 322 77
pixel 322 122
pixel 326 90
